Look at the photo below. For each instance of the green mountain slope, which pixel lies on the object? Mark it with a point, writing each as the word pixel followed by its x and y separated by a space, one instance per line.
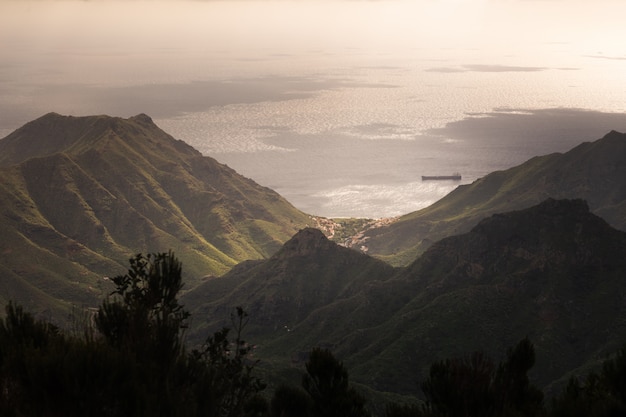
pixel 553 272
pixel 309 273
pixel 595 172
pixel 80 195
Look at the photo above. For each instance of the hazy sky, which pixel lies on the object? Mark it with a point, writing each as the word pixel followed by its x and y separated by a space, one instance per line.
pixel 363 78
pixel 109 43
pixel 300 24
pixel 56 48
pixel 104 26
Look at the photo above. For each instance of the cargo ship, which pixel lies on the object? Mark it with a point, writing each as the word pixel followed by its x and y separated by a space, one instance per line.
pixel 455 177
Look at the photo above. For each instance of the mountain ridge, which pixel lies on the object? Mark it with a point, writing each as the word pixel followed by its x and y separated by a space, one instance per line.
pixel 552 272
pixel 80 195
pixel 531 280
pixel 307 273
pixel 594 171
pixel 98 189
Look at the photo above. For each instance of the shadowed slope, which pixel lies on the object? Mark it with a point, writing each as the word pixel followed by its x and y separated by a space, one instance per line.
pixel 595 172
pixel 308 273
pixel 553 272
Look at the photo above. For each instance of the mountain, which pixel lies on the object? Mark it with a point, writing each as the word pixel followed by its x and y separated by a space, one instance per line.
pixel 553 272
pixel 593 171
pixel 80 195
pixel 307 274
pixel 500 259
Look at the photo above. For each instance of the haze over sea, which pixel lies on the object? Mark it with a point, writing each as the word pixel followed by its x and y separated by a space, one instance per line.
pixel 340 106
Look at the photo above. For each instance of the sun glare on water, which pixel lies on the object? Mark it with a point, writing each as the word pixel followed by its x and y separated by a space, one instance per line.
pixel 376 92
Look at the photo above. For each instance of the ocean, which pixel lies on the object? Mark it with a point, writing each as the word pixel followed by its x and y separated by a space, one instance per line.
pixel 340 106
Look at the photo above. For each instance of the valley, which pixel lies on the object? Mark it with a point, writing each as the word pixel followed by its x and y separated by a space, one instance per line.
pixel 535 251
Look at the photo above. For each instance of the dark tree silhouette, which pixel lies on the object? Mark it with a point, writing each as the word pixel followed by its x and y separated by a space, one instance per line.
pixel 326 381
pixel 228 384
pixel 290 401
pixel 144 317
pixel 460 387
pixel 474 386
pixel 134 365
pixel 404 410
pixel 599 395
pixel 513 390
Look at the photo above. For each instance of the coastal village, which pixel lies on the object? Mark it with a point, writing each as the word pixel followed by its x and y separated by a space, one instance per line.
pixel 350 232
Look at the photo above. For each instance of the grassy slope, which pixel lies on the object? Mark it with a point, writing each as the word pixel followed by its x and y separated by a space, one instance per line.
pixel 81 195
pixel 593 171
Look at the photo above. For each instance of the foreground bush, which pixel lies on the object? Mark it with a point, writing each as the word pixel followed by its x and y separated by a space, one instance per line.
pixel 133 364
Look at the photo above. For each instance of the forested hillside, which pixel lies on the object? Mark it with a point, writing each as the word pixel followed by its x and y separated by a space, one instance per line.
pixel 553 272
pixel 130 359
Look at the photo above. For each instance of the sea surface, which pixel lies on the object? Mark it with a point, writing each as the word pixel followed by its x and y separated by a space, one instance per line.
pixel 340 106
